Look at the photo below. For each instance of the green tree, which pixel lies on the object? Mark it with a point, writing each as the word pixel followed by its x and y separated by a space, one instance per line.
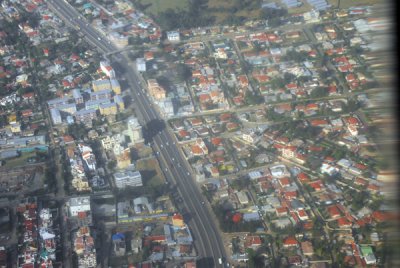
pixel 184 72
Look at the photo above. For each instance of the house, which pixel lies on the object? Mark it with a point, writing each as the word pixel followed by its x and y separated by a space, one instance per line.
pixel 302 214
pixel 242 198
pixel 177 220
pixel 283 182
pixel 307 248
pixel 281 211
pixel 333 212
pixel 128 178
pixel 303 178
pixel 344 222
pixel 173 36
pixel 252 241
pixel 317 185
pixel 289 242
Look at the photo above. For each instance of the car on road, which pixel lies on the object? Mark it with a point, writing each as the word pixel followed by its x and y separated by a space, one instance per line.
pixel 98 38
pixel 188 174
pixel 166 169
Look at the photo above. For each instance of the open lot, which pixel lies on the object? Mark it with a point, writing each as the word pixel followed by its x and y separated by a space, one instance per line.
pixel 157 6
pixel 226 8
pixel 353 3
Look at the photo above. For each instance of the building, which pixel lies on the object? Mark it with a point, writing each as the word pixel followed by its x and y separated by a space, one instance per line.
pixel 108 109
pixel 128 178
pixel 76 94
pixel 85 116
pixel 140 64
pixel 69 108
pixel 155 90
pixel 243 198
pixel 101 94
pixel 134 130
pixel 177 220
pixel 54 103
pixel 167 107
pixel 173 36
pixel 107 69
pixel 124 159
pixel 55 116
pixel 98 85
pixel 95 104
pixel 78 204
pixel 109 142
pixel 115 86
pixel 15 127
pixel 120 102
pixel 118 240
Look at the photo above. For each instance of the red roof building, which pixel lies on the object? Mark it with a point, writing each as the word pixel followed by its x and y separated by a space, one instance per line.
pixel 290 241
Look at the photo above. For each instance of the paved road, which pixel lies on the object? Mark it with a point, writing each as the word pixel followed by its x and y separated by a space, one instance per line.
pixel 208 242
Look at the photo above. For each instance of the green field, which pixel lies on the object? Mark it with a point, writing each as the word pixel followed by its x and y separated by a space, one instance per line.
pixel 19 161
pixel 157 6
pixel 353 3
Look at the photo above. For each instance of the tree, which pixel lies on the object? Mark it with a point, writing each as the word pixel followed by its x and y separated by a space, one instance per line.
pixel 111 165
pixel 319 92
pixel 183 71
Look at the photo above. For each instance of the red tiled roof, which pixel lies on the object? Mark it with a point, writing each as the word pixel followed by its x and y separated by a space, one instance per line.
pixel 290 241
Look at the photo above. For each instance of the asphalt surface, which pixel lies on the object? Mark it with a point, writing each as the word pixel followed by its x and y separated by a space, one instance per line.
pixel 208 242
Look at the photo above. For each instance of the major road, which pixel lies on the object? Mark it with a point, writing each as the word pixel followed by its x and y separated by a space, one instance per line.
pixel 208 241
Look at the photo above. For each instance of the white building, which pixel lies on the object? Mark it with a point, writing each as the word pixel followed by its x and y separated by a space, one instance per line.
pixel 107 69
pixel 55 116
pixel 166 107
pixel 128 178
pixel 78 204
pixel 140 64
pixel 173 36
pixel 134 130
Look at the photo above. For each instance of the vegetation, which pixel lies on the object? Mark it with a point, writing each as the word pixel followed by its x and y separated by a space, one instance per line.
pixel 195 15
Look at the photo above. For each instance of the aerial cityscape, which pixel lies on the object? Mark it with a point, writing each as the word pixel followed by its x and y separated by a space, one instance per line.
pixel 198 133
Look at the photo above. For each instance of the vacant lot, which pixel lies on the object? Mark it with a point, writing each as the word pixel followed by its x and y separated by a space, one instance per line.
pixel 353 3
pixel 155 7
pixel 222 10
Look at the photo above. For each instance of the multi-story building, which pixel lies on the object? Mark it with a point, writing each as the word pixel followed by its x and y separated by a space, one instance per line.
pixel 115 86
pixel 155 90
pixel 101 94
pixel 140 64
pixel 108 109
pixel 128 178
pixel 78 204
pixel 98 85
pixel 69 108
pixel 54 103
pixel 95 104
pixel 85 116
pixel 120 102
pixel 173 36
pixel 76 94
pixel 134 130
pixel 107 69
pixel 55 116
